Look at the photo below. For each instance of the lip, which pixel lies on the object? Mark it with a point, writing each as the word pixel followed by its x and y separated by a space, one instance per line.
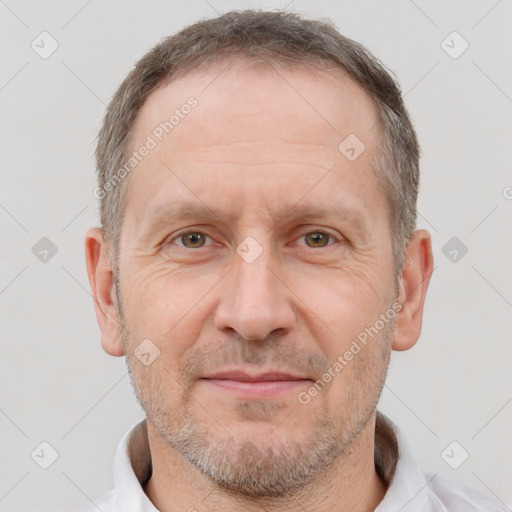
pixel 252 386
pixel 242 376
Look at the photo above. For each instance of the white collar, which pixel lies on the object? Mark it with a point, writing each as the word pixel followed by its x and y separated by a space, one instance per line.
pixel 410 489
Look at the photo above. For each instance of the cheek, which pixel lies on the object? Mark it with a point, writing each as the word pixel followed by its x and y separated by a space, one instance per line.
pixel 340 306
pixel 170 308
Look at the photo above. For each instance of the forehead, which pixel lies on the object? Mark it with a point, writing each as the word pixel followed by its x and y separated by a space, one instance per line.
pixel 254 94
pixel 252 122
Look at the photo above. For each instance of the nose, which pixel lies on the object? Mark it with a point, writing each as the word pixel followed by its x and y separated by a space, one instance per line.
pixel 255 301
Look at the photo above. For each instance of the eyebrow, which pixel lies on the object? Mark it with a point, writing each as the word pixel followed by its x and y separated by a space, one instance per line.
pixel 347 214
pixel 180 211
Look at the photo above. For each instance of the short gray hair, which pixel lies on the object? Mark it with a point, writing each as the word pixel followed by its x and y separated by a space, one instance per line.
pixel 273 37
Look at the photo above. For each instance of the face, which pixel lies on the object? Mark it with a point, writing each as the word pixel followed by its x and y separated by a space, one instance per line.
pixel 253 255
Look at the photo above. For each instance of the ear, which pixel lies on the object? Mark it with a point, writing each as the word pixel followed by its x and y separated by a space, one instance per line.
pixel 416 273
pixel 101 279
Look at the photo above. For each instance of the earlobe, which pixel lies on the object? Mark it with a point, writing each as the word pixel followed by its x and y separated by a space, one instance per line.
pixel 101 280
pixel 413 285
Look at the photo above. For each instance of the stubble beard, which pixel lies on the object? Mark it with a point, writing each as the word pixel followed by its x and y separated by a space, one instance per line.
pixel 263 468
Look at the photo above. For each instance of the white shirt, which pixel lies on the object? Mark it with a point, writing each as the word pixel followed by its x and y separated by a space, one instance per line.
pixel 409 490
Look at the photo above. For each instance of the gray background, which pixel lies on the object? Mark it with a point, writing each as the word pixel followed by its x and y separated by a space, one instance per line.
pixel 58 386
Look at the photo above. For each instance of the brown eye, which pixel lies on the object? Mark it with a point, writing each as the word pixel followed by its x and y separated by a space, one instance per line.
pixel 317 239
pixel 193 240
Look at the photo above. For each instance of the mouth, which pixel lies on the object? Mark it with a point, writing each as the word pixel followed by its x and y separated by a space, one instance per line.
pixel 253 386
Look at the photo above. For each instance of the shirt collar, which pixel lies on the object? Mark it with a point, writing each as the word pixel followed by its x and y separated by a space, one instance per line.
pixel 393 461
pixel 132 470
pixel 406 482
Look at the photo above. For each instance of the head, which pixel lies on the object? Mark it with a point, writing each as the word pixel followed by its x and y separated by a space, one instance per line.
pixel 267 227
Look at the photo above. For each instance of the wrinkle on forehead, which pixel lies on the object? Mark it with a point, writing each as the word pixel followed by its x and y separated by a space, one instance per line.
pixel 273 133
pixel 327 103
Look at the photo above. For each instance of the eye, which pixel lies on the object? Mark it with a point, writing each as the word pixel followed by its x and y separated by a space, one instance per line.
pixel 192 240
pixel 317 239
pixel 197 240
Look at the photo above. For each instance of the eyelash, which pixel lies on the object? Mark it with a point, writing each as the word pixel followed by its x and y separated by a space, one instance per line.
pixel 332 239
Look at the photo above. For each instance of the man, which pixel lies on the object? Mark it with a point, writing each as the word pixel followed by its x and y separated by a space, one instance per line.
pixel 257 263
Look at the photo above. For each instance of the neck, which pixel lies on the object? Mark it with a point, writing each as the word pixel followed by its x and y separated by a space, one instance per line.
pixel 350 483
